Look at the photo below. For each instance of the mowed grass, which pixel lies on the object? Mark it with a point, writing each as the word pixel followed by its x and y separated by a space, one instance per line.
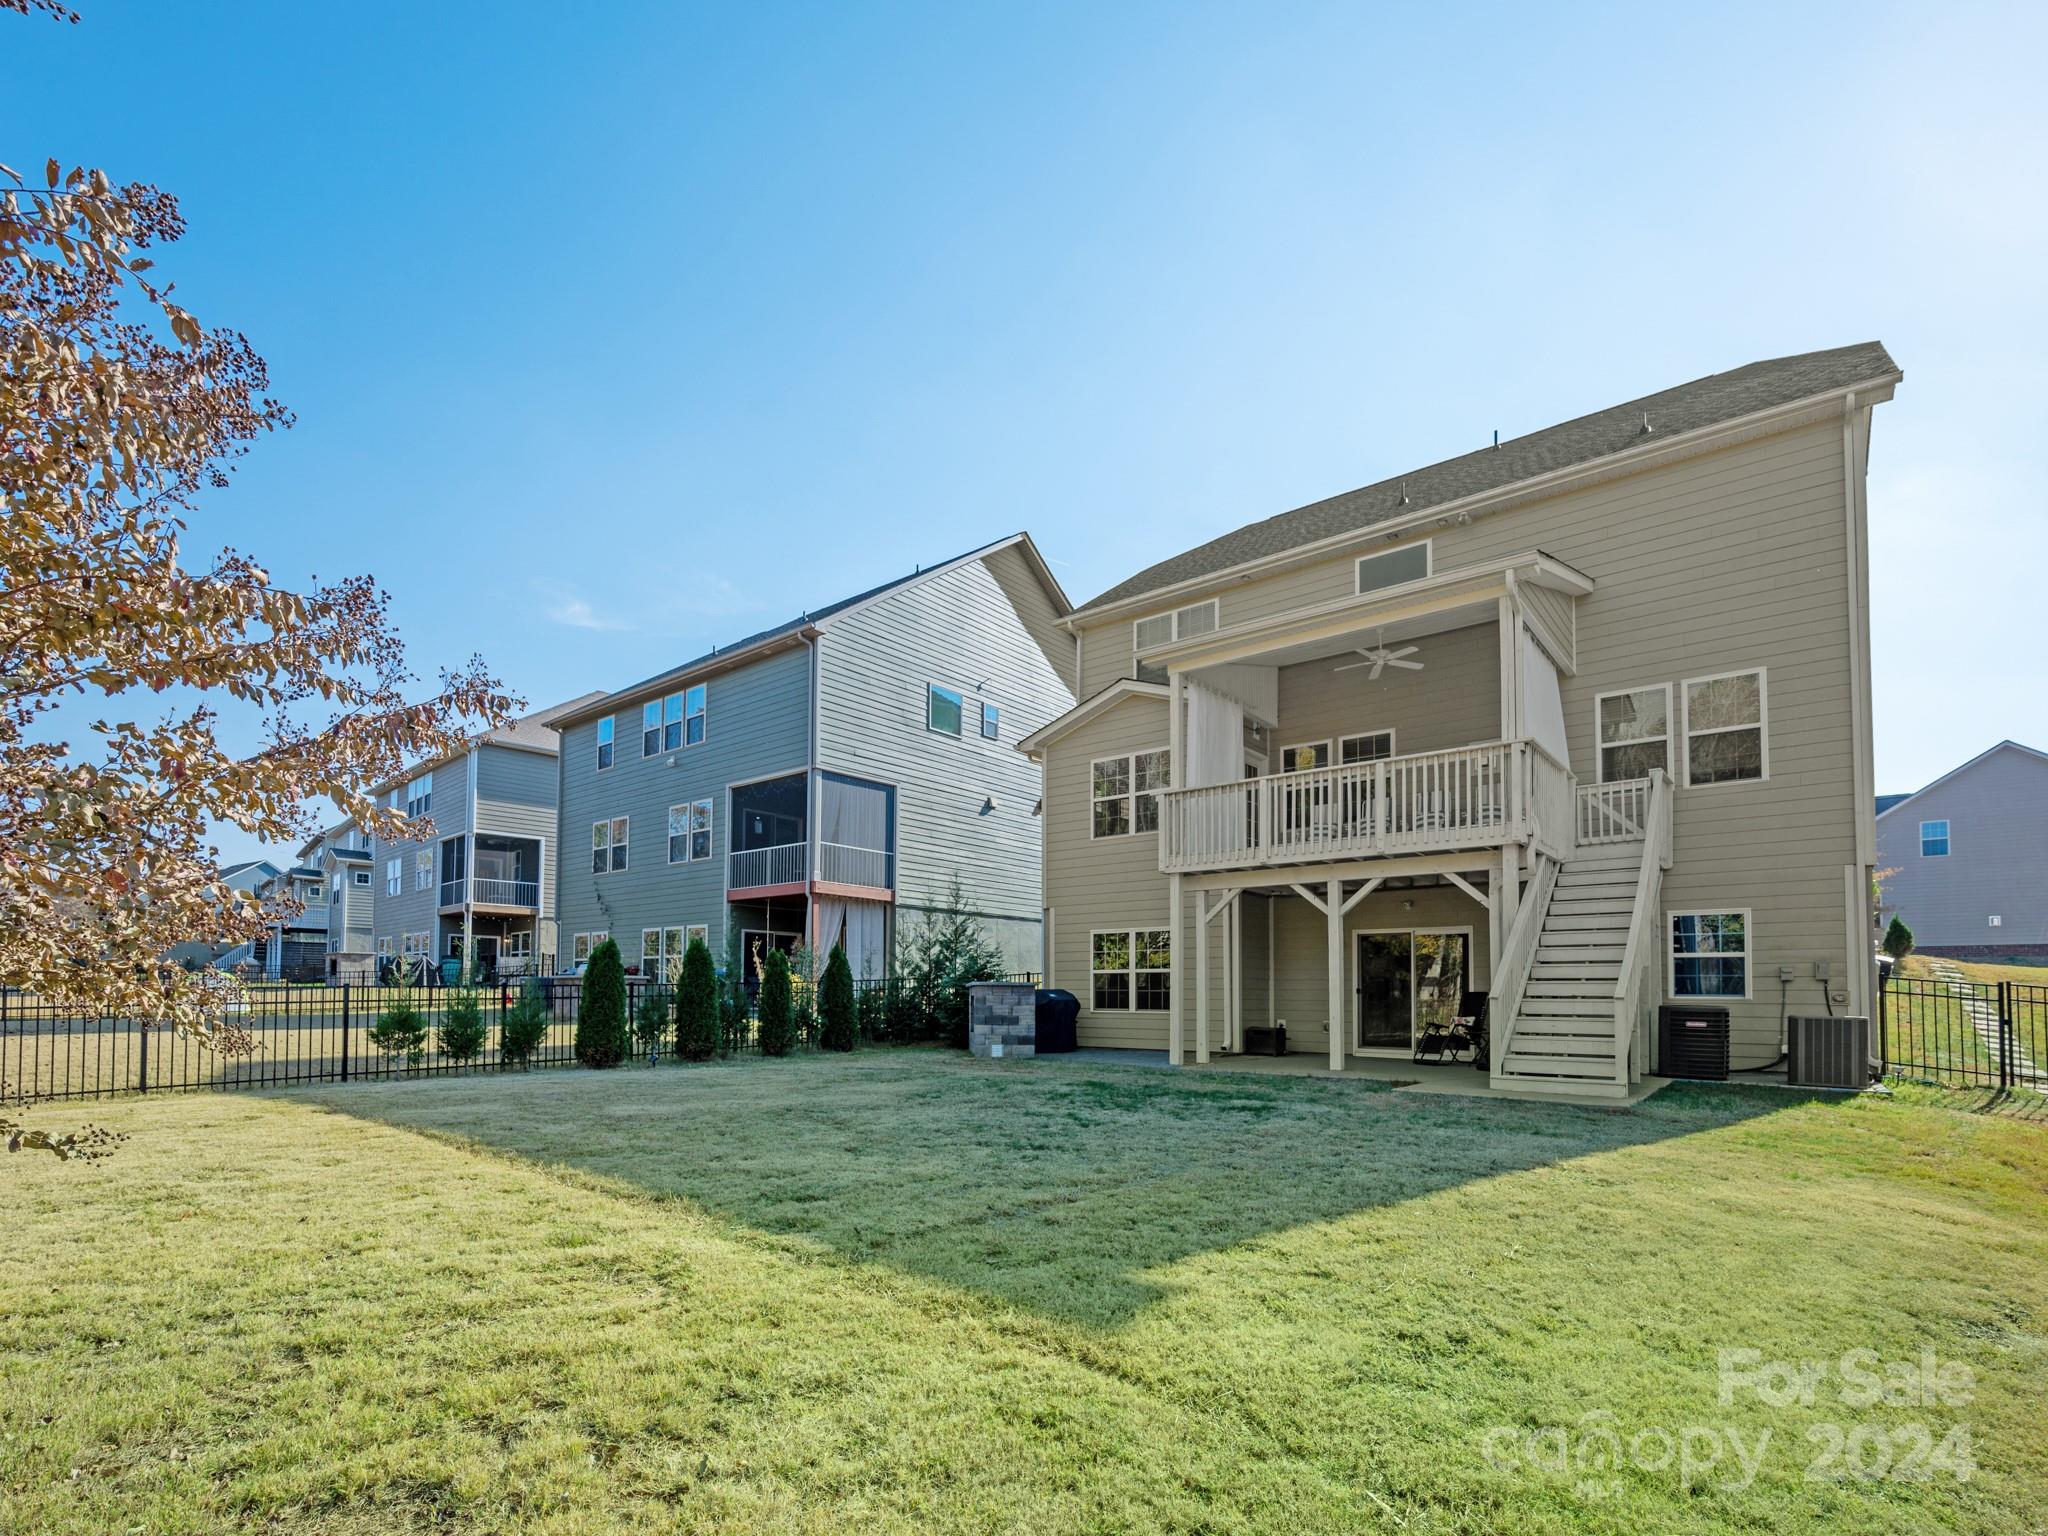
pixel 907 1291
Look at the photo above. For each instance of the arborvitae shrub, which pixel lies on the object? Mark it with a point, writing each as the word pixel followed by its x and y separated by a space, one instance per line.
pixel 601 1009
pixel 777 1028
pixel 697 1005
pixel 836 1020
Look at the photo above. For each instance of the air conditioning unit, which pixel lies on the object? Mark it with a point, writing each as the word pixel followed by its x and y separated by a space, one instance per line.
pixel 1692 1042
pixel 1825 1052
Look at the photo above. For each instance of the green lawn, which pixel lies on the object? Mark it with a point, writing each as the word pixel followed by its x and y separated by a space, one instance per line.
pixel 906 1291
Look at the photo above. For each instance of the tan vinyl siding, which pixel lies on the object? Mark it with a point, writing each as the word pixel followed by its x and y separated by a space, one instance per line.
pixel 1454 701
pixel 1733 560
pixel 1551 615
pixel 1102 882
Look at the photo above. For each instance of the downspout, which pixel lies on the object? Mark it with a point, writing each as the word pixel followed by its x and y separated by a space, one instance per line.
pixel 815 798
pixel 1856 565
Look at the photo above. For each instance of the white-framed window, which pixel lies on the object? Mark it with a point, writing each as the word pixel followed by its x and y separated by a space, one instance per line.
pixel 608 844
pixel 1725 719
pixel 455 946
pixel 1934 839
pixel 689 832
pixel 991 723
pixel 518 946
pixel 1411 562
pixel 1131 970
pixel 605 728
pixel 1710 954
pixel 417 945
pixel 362 878
pixel 1165 628
pixel 419 796
pixel 1303 755
pixel 583 943
pixel 944 709
pixel 694 713
pixel 1365 747
pixel 650 951
pixel 394 876
pixel 697 931
pixel 423 869
pixel 1633 726
pixel 316 894
pixel 384 946
pixel 1124 792
pixel 337 888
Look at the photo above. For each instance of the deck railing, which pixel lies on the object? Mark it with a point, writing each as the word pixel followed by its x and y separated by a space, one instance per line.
pixel 844 864
pixel 1477 796
pixel 1617 812
pixel 783 864
pixel 1641 980
pixel 505 893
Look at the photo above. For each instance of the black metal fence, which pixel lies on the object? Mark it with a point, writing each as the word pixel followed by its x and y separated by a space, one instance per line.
pixel 321 1034
pixel 1965 1033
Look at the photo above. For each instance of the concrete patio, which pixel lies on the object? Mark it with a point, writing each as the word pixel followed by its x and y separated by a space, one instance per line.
pixel 1455 1077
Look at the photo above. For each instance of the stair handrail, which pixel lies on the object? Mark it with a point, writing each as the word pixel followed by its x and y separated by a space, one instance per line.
pixel 1636 955
pixel 1518 957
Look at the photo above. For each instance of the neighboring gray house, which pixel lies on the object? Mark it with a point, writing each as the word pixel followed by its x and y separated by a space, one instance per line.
pixel 826 780
pixel 1965 860
pixel 484 883
pixel 251 875
pixel 342 856
pixel 296 947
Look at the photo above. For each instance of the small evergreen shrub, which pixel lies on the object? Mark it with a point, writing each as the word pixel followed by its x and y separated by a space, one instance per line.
pixel 401 1030
pixel 1898 940
pixel 777 1027
pixel 697 1005
pixel 462 1029
pixel 836 1018
pixel 872 1013
pixel 601 1009
pixel 524 1027
pixel 652 1018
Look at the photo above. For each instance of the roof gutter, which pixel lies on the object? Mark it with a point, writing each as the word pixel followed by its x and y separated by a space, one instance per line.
pixel 1483 503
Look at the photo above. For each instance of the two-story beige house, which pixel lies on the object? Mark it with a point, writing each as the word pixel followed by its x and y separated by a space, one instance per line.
pixel 1580 721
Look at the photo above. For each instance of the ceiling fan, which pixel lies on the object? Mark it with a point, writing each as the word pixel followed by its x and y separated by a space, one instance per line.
pixel 1379 658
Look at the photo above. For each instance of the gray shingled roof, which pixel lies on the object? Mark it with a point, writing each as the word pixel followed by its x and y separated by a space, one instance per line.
pixel 791 626
pixel 1707 402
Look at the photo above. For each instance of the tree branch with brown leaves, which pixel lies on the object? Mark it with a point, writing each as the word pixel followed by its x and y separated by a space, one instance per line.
pixel 117 409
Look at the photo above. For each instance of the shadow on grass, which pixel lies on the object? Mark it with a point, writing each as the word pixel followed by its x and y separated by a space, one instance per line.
pixel 1058 1187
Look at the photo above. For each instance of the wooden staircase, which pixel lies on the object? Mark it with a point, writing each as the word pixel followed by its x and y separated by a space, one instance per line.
pixel 1564 1033
pixel 1582 967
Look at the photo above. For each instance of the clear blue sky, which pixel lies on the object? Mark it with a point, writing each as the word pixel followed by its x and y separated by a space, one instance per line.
pixel 618 329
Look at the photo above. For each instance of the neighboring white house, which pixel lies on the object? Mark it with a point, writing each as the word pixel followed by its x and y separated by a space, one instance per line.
pixel 1580 720
pixel 1965 860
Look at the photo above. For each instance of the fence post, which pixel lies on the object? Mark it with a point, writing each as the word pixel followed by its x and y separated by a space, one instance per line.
pixel 1884 1039
pixel 344 1031
pixel 142 1041
pixel 2005 1034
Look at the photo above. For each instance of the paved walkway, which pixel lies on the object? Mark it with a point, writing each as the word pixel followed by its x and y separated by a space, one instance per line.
pixel 1984 1019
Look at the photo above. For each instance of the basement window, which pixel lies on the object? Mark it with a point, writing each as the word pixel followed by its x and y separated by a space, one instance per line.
pixel 1710 954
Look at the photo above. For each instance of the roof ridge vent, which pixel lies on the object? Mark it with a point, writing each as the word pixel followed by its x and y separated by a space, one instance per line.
pixel 1647 428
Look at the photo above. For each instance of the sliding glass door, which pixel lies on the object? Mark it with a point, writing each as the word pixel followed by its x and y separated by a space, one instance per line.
pixel 1406 983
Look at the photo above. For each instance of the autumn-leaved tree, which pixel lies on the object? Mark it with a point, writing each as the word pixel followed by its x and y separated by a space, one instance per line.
pixel 117 408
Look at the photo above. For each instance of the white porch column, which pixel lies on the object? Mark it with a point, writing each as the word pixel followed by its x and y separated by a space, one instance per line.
pixel 1335 898
pixel 1232 979
pixel 1202 913
pixel 1510 888
pixel 1175 1049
